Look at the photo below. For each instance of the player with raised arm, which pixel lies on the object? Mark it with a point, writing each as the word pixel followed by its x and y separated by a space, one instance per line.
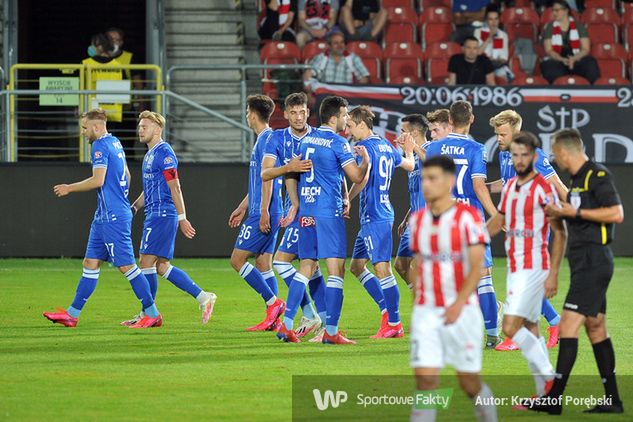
pixel 322 225
pixel 164 213
pixel 110 233
pixel 506 125
pixel 415 126
pixel 375 240
pixel 470 188
pixel 530 274
pixel 263 202
pixel 279 161
pixel 449 239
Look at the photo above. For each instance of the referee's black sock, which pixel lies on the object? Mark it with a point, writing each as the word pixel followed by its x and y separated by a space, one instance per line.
pixel 568 349
pixel 605 358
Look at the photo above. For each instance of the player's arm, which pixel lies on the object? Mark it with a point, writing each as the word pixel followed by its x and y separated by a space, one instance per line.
pixel 347 205
pixel 481 190
pixel 292 181
pixel 476 259
pixel 93 182
pixel 138 203
pixel 238 214
pixel 405 221
pixel 296 165
pixel 264 218
pixel 559 242
pixel 496 186
pixel 179 202
pixel 129 175
pixel 560 187
pixel 408 162
pixel 358 187
pixel 356 173
pixel 495 224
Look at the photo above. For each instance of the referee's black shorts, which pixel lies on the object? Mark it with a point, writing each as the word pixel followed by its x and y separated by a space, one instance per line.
pixel 591 271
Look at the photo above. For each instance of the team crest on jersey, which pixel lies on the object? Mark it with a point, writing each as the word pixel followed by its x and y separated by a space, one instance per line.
pixel 307 222
pixel 575 200
pixel 168 160
pixel 98 154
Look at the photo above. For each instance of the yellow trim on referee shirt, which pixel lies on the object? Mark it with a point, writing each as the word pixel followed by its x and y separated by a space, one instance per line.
pixel 589 173
pixel 603 231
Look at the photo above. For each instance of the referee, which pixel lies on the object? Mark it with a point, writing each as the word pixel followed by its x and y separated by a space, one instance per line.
pixel 593 207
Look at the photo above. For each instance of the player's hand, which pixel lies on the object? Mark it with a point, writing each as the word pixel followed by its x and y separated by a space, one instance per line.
pixel 551 286
pixel 402 227
pixel 564 210
pixel 187 229
pixel 407 143
pixel 361 152
pixel 61 190
pixel 452 313
pixel 264 222
pixel 289 218
pixel 347 206
pixel 236 217
pixel 297 165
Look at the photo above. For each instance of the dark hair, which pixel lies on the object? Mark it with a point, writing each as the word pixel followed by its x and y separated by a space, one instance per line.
pixel 469 38
pixel 444 162
pixel 103 41
pixel 440 115
pixel 363 114
pixel 568 139
pixel 526 138
pixel 117 30
pixel 417 122
pixel 262 105
pixel 331 107
pixel 296 99
pixel 334 32
pixel 562 3
pixel 492 8
pixel 461 112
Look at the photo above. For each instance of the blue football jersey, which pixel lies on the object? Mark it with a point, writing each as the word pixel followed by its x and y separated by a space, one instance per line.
pixel 255 179
pixel 112 203
pixel 374 198
pixel 470 162
pixel 416 198
pixel 282 146
pixel 543 166
pixel 320 189
pixel 158 200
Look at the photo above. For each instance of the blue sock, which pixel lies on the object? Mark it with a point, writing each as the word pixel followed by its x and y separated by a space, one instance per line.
pixel 254 279
pixel 87 285
pixel 334 303
pixel 295 292
pixel 287 272
pixel 152 279
pixel 180 279
pixel 549 313
pixel 141 290
pixel 271 280
pixel 488 305
pixel 317 291
pixel 392 298
pixel 372 285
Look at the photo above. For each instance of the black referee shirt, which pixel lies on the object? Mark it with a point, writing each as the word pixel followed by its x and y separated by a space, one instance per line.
pixel 592 187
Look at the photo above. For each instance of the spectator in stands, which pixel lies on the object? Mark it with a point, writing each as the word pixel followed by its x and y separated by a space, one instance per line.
pixel 362 20
pixel 567 47
pixel 316 19
pixel 470 68
pixel 278 22
pixel 465 14
pixel 494 44
pixel 337 65
pixel 101 63
pixel 124 57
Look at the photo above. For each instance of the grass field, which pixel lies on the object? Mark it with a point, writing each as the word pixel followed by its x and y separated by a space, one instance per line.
pixel 186 371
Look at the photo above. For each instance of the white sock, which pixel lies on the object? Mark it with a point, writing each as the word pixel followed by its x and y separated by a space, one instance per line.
pixel 485 409
pixel 531 349
pixel 423 415
pixel 202 297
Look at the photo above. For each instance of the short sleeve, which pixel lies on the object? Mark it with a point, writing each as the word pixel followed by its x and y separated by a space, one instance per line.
pixel 547 31
pixel 479 160
pixel 453 63
pixel 487 64
pixel 476 233
pixel 543 166
pixel 397 158
pixel 99 156
pixel 271 149
pixel 582 30
pixel 504 199
pixel 550 195
pixel 167 160
pixel 343 152
pixel 604 189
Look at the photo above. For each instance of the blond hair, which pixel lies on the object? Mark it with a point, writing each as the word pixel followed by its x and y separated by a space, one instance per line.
pixel 438 116
pixel 95 114
pixel 153 116
pixel 509 117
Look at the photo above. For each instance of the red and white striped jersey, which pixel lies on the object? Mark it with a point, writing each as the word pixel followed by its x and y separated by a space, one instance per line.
pixel 442 245
pixel 527 226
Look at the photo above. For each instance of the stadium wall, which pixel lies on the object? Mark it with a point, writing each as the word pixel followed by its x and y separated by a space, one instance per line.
pixel 35 223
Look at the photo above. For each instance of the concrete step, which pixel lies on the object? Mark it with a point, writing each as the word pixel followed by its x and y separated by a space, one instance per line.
pixel 204 40
pixel 206 76
pixel 203 28
pixel 201 5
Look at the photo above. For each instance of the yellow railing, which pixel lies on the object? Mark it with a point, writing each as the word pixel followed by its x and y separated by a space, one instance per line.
pixel 85 82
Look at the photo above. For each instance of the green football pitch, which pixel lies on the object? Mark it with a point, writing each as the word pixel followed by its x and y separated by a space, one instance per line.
pixel 186 371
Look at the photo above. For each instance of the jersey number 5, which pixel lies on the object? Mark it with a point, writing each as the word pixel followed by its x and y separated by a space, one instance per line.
pixel 309 152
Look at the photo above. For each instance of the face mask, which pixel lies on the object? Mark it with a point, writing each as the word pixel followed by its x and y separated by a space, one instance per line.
pixel 92 51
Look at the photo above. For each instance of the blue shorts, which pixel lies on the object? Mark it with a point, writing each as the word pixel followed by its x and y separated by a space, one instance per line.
pixel 374 241
pixel 159 236
pixel 290 241
pixel 404 248
pixel 111 242
pixel 322 238
pixel 488 257
pixel 251 239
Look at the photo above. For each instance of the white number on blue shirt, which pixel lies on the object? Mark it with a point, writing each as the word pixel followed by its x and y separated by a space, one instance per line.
pixel 462 168
pixel 309 152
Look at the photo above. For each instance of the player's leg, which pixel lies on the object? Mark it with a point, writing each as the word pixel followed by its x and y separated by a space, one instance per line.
pixel 379 243
pixel 317 288
pixel 481 395
pixel 488 302
pixel 264 264
pixel 404 259
pixel 148 268
pixel 358 267
pixel 553 319
pixel 427 380
pixel 282 263
pixel 334 301
pixel 296 292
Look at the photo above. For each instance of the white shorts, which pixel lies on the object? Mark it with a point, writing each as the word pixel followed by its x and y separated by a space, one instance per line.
pixel 525 291
pixel 434 345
